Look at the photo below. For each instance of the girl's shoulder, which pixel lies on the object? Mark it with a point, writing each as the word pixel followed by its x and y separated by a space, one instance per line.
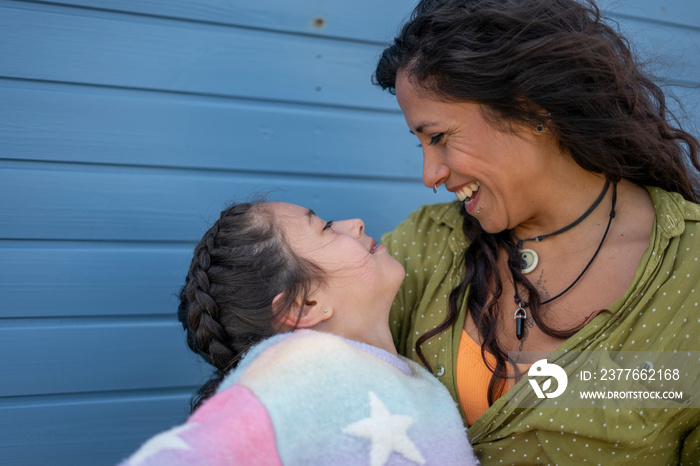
pixel 299 356
pixel 328 396
pixel 308 397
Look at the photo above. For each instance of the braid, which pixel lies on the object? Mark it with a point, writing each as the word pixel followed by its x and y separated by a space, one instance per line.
pixel 238 268
pixel 207 334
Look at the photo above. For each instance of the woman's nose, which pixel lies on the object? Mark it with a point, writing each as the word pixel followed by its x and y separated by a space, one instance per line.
pixel 434 173
pixel 354 227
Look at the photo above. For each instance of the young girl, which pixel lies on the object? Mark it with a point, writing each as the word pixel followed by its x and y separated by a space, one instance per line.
pixel 292 311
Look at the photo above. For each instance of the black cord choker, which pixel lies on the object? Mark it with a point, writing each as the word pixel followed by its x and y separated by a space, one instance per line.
pixel 529 256
pixel 520 315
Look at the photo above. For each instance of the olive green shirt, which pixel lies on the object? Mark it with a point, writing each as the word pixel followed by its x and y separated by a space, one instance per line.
pixel 659 312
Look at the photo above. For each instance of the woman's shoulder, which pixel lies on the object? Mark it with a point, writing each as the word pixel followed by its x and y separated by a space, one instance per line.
pixel 675 216
pixel 444 213
pixel 673 204
pixel 426 220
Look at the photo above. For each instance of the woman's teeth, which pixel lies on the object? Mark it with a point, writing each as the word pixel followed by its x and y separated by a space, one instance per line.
pixel 468 191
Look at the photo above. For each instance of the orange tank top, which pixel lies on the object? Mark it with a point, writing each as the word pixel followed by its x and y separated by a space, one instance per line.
pixel 473 377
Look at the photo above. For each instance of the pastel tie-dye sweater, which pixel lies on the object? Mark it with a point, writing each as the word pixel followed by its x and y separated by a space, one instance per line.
pixel 311 398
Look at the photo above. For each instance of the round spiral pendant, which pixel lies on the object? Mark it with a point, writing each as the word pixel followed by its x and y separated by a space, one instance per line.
pixel 529 260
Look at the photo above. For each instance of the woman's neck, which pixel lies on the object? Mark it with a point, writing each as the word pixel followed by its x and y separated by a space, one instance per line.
pixel 561 203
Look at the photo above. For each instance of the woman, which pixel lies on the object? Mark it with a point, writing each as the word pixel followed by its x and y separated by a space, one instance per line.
pixel 573 230
pixel 328 386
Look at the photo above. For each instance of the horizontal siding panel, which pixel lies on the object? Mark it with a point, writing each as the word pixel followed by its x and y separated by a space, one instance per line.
pixel 682 12
pixel 76 124
pixel 99 432
pixel 141 204
pixel 91 279
pixel 339 18
pixel 328 19
pixel 121 128
pixel 193 58
pixel 684 103
pixel 673 53
pixel 94 356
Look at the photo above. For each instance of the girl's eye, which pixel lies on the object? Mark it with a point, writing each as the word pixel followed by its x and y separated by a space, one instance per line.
pixel 433 140
pixel 436 139
pixel 328 225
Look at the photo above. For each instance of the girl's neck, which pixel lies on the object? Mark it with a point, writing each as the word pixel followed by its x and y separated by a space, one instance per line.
pixel 390 358
pixel 344 323
pixel 381 338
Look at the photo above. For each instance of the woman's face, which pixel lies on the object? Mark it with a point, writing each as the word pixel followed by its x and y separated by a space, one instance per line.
pixel 358 272
pixel 496 173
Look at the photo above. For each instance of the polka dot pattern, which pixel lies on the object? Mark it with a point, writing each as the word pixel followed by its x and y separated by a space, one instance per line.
pixel 659 312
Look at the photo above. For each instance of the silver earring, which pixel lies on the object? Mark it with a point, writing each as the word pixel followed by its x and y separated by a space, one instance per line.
pixel 435 188
pixel 435 172
pixel 478 211
pixel 539 128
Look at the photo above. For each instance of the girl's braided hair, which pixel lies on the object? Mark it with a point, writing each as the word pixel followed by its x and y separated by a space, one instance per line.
pixel 241 264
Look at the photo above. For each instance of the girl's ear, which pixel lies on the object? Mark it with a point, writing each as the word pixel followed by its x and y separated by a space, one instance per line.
pixel 301 315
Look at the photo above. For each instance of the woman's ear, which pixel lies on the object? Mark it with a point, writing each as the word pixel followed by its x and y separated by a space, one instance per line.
pixel 301 315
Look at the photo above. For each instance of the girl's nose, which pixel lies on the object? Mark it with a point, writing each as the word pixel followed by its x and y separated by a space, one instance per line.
pixel 354 227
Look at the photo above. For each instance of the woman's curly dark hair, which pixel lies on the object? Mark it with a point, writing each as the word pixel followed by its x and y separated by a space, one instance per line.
pixel 552 62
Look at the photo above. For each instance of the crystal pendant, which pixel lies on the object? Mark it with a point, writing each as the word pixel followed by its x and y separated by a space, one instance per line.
pixel 520 316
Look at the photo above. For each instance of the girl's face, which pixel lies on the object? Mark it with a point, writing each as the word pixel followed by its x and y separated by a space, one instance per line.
pixel 495 173
pixel 359 273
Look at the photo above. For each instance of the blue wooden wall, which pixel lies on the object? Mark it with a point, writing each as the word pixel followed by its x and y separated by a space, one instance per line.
pixel 126 126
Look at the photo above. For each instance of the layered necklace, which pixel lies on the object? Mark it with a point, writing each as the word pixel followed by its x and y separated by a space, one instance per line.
pixel 530 259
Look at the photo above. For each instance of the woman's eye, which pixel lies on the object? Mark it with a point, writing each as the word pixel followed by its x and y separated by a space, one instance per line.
pixel 328 225
pixel 436 139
